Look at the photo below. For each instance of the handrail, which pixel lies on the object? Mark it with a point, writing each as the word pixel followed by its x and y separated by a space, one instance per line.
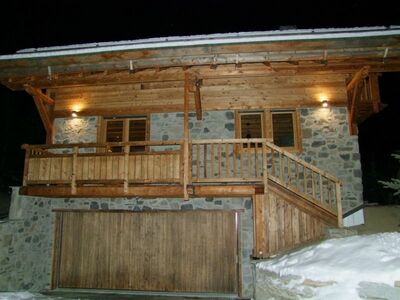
pixel 303 162
pixel 103 145
pixel 257 160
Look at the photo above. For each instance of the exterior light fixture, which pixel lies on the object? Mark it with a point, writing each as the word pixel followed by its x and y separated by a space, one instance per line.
pixel 325 103
pixel 74 114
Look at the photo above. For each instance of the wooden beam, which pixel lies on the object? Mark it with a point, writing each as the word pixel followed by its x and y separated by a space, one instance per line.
pixel 38 93
pixel 197 100
pixel 44 115
pixel 259 223
pixel 361 74
pixel 375 95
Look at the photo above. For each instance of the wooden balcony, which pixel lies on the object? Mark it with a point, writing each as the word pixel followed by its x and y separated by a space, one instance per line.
pixel 226 167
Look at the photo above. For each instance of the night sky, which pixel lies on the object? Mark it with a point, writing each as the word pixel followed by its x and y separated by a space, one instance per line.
pixel 39 23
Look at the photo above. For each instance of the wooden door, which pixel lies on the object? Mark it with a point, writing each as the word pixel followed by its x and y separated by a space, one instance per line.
pixel 190 251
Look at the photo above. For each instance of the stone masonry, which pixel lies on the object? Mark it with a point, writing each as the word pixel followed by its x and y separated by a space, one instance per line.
pixel 326 141
pixel 328 145
pixel 26 243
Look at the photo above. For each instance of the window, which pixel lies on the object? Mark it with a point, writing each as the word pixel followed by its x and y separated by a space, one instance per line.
pixel 282 127
pixel 283 132
pixel 126 130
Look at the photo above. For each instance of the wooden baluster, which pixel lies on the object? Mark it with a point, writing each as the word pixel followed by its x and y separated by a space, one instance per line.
pixel 289 182
pixel 197 161
pixel 234 150
pixel 273 162
pixel 329 193
pixel 212 161
pixel 242 162
pixel 219 160
pixel 205 160
pixel 321 189
pixel 264 167
pixel 256 159
pixel 339 204
pixel 305 179
pixel 73 172
pixel 296 170
pixel 126 168
pixel 281 168
pixel 227 173
pixel 248 160
pixel 313 184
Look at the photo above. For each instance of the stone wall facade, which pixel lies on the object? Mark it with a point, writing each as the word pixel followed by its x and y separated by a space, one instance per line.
pixel 26 243
pixel 326 141
pixel 75 130
pixel 328 145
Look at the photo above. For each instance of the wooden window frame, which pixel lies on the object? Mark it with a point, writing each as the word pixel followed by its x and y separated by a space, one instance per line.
pixel 267 128
pixel 102 133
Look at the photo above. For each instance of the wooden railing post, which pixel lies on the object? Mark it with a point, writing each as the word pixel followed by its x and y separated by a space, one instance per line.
pixel 186 138
pixel 26 164
pixel 264 168
pixel 73 173
pixel 339 204
pixel 126 167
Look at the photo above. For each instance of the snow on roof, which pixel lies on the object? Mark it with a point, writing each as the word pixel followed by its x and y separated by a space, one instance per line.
pixel 203 40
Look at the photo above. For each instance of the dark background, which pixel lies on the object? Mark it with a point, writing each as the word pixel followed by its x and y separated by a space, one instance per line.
pixel 40 24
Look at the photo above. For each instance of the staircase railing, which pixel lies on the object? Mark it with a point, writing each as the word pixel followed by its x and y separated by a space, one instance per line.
pixel 254 160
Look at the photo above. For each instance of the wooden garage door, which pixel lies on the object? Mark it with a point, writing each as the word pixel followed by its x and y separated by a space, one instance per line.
pixel 190 251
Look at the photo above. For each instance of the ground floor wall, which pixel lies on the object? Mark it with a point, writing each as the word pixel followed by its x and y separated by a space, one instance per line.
pixel 26 240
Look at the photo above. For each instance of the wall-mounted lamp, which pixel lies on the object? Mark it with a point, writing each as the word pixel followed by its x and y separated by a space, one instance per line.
pixel 324 103
pixel 74 114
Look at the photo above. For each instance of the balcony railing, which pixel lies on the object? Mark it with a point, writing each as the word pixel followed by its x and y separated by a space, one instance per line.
pixel 233 161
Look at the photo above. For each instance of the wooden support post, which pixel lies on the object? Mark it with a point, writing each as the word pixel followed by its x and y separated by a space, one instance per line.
pixel 73 173
pixel 186 137
pixel 260 229
pixel 374 90
pixel 339 204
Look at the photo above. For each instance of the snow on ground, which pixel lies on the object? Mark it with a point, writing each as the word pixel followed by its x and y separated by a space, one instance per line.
pixel 21 296
pixel 347 261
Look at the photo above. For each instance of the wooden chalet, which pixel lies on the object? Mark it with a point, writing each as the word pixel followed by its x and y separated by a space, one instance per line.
pixel 267 119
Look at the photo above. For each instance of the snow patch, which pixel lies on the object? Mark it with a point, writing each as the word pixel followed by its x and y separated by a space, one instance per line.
pixel 346 261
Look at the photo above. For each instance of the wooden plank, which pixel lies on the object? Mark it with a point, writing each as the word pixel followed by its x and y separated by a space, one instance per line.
pixel 259 224
pixel 153 251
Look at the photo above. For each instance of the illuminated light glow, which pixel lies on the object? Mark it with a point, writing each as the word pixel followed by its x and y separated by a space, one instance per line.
pixel 325 103
pixel 74 114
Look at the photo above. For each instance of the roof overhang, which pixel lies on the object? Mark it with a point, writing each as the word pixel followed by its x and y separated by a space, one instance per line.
pixel 343 50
